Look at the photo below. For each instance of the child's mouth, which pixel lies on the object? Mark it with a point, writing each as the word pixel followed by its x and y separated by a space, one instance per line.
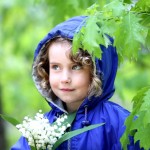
pixel 67 90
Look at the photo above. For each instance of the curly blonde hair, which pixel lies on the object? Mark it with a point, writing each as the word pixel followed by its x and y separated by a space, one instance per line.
pixel 82 57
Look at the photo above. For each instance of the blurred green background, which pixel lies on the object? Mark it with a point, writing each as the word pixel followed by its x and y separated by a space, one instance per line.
pixel 22 25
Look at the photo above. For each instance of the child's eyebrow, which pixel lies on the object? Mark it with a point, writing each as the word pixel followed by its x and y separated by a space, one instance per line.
pixel 57 63
pixel 53 62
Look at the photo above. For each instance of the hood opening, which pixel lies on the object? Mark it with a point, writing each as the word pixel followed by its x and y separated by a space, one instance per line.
pixel 105 69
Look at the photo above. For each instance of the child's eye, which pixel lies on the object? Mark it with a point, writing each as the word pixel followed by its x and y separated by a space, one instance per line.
pixel 55 67
pixel 76 67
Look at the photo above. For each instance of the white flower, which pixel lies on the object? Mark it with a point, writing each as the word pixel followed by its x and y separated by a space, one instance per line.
pixel 68 125
pixel 63 128
pixel 55 127
pixel 65 116
pixel 40 133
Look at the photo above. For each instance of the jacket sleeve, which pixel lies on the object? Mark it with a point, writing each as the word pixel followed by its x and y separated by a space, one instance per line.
pixel 21 144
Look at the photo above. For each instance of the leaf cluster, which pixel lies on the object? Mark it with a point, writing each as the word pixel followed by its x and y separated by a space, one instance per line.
pixel 127 23
pixel 138 123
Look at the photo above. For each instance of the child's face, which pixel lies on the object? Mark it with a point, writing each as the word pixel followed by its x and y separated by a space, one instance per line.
pixel 69 81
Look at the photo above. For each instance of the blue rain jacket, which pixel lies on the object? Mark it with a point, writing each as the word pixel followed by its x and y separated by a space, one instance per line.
pixel 92 111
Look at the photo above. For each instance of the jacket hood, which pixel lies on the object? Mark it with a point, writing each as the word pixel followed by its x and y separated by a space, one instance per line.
pixel 106 68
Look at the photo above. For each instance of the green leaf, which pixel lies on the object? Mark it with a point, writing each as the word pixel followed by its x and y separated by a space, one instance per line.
pixel 125 137
pixel 141 109
pixel 143 134
pixel 71 117
pixel 88 39
pixel 114 9
pixel 129 30
pixel 77 42
pixel 92 9
pixel 141 96
pixel 116 20
pixel 9 119
pixel 71 134
pixel 142 5
pixel 92 37
pixel 145 19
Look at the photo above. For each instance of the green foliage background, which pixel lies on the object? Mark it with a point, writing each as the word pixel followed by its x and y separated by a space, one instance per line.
pixel 22 25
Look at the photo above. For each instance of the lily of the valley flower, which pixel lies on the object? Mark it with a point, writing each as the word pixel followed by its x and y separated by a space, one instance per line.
pixel 40 133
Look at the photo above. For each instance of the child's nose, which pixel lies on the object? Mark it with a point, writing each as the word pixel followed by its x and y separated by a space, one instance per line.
pixel 66 78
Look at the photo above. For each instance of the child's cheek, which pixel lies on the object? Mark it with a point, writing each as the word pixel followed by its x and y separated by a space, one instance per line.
pixel 54 80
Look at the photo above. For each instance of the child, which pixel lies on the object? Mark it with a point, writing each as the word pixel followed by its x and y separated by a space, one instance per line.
pixel 75 83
